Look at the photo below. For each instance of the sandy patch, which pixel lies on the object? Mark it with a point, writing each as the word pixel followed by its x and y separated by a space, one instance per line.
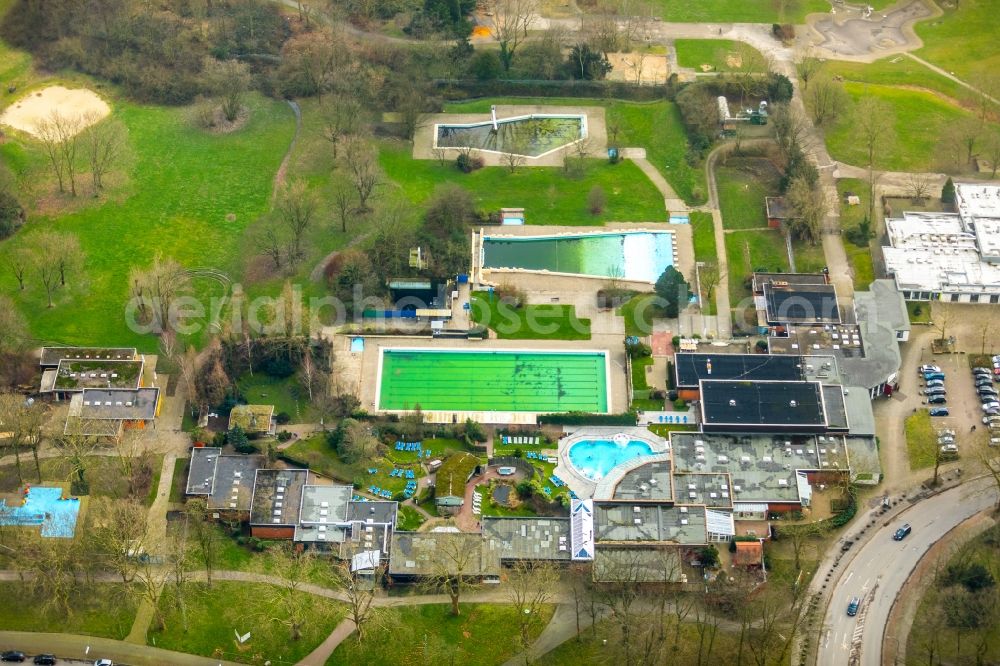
pixel 633 67
pixel 80 105
pixel 734 60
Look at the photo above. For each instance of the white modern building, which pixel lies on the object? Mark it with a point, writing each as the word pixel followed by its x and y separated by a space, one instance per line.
pixel 949 256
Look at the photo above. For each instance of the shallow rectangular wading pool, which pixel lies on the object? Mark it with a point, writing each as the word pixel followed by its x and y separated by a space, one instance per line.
pixel 493 380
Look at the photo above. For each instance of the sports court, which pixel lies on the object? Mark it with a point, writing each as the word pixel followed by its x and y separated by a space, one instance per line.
pixel 509 380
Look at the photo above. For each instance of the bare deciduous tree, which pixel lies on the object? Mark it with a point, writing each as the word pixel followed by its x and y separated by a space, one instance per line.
pixel 511 21
pixel 105 144
pixel 230 80
pixel 918 187
pixel 20 261
pixel 454 564
pixel 873 125
pixel 806 68
pixel 529 586
pixel 363 167
pixel 826 100
pixel 286 602
pixel 58 135
pixel 343 116
pixel 296 207
pixel 360 593
pixel 343 203
pixel 117 535
pixel 155 289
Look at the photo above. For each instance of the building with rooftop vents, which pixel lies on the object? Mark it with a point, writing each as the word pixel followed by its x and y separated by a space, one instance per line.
pixel 948 256
pixel 108 412
pixel 762 406
pixel 690 369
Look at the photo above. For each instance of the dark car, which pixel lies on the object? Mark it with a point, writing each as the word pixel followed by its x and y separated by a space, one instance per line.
pixel 940 411
pixel 936 400
pixel 852 607
pixel 902 532
pixel 45 659
pixel 936 390
pixel 12 655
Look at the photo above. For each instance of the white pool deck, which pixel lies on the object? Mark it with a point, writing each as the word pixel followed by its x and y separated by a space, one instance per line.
pixel 586 488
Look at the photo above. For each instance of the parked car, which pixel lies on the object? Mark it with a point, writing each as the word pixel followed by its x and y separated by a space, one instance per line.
pixel 940 411
pixel 980 368
pixel 984 383
pixel 949 449
pixel 924 369
pixel 902 532
pixel 946 439
pixel 936 400
pixel 45 659
pixel 12 655
pixel 994 441
pixel 986 390
pixel 990 405
pixel 104 662
pixel 852 607
pixel 991 420
pixel 933 375
pixel 935 390
pixel 935 382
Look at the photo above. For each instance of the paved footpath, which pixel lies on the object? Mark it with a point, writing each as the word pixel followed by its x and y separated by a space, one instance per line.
pixel 69 646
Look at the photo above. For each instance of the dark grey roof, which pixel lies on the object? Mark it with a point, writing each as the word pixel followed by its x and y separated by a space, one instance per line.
pixel 232 485
pixel 528 538
pixel 624 522
pixel 795 304
pixel 377 512
pixel 836 410
pixel 638 565
pixel 201 470
pixel 116 404
pixel 760 279
pixel 277 494
pixel 424 553
pixel 689 369
pixel 762 404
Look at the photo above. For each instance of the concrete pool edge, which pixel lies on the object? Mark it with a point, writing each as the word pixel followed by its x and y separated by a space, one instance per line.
pixel 479 251
pixel 585 487
pixel 488 416
pixel 582 117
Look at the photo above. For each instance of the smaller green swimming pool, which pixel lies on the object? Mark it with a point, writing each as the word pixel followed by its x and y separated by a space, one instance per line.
pixel 493 380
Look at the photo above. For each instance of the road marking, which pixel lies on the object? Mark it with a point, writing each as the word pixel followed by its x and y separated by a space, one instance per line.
pixel 849 576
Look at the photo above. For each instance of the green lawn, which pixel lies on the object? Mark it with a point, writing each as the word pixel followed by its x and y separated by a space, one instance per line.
pixel 703 236
pixel 483 634
pixel 694 53
pixel 920 312
pixel 921 439
pixel 896 70
pixel 859 257
pixel 920 120
pixel 735 11
pixel 529 322
pixel 741 195
pixel 283 393
pixel 548 195
pixel 192 195
pixel 639 366
pixel 214 613
pixel 767 252
pixel 639 313
pixel 655 126
pixel 229 555
pixel 964 40
pixel 408 519
pixel 491 508
pixel 320 457
pixel 103 473
pixel 179 483
pixel 100 609
pixel 809 258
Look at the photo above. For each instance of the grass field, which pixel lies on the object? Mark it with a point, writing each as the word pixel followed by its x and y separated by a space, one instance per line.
pixel 655 126
pixel 639 313
pixel 283 393
pixel 320 457
pixel 921 439
pixel 964 40
pixel 860 258
pixel 920 313
pixel 896 70
pixel 766 250
pixel 547 194
pixel 493 380
pixel 694 53
pixel 921 119
pixel 742 190
pixel 734 11
pixel 213 613
pixel 408 519
pixel 103 473
pixel 484 634
pixel 98 610
pixel 703 236
pixel 192 194
pixel 529 322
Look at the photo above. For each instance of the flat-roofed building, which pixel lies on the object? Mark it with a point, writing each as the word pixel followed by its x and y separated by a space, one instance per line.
pixel 416 555
pixel 253 419
pixel 107 412
pixel 73 376
pixel 523 539
pixel 787 303
pixel 274 507
pixel 623 523
pixel 225 480
pixel 51 356
pixel 690 369
pixel 762 406
pixel 638 565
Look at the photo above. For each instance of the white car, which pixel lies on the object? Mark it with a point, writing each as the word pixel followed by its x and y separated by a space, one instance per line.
pixel 924 369
pixel 987 406
pixel 104 662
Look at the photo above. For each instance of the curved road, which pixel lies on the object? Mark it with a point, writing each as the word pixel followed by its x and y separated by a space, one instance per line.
pixel 880 568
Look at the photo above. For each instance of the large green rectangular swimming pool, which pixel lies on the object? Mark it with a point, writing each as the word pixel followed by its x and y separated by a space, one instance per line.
pixel 493 380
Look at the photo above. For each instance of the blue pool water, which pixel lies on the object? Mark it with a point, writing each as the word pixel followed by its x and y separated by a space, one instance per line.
pixel 595 458
pixel 633 255
pixel 357 345
pixel 44 507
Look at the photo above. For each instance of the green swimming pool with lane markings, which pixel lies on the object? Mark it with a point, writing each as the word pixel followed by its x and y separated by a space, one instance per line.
pixel 494 380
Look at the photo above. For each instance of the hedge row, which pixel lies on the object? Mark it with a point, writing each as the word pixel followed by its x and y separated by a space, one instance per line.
pixel 587 418
pixel 464 89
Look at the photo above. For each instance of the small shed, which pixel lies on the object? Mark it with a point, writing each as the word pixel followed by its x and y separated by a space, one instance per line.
pixel 749 554
pixel 777 211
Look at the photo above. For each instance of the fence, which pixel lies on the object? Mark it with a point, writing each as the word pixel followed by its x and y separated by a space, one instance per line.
pixel 462 89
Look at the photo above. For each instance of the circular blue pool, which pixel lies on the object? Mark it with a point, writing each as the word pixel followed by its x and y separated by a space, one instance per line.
pixel 594 458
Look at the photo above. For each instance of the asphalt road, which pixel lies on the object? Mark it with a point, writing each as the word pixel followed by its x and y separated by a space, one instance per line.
pixel 880 568
pixel 73 650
